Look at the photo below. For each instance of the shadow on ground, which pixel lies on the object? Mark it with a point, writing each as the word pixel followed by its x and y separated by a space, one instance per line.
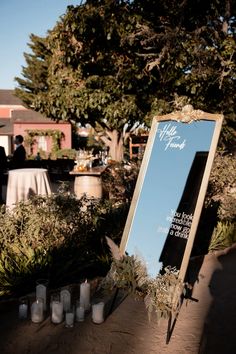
pixel 218 335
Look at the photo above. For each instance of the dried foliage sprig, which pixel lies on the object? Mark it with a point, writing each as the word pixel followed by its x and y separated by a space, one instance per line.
pixel 127 273
pixel 162 294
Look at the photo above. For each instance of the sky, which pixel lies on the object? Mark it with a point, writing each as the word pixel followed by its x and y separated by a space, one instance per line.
pixel 18 19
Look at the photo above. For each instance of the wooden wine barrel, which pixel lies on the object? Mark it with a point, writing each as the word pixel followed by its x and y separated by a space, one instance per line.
pixel 89 185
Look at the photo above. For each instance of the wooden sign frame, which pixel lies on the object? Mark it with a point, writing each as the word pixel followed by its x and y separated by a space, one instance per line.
pixel 188 115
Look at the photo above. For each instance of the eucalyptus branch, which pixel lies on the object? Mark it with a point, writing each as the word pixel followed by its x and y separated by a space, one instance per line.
pixel 162 294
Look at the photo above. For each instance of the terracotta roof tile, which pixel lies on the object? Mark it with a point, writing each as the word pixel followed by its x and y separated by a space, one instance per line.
pixel 7 97
pixel 29 116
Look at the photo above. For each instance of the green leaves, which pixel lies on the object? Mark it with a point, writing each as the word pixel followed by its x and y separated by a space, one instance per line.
pixel 224 235
pixel 58 237
pixel 148 51
pixel 19 269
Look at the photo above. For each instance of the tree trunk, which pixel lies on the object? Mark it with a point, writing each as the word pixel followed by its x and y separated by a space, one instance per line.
pixel 115 142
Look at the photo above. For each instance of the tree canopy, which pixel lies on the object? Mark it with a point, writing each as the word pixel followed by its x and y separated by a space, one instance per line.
pixel 114 64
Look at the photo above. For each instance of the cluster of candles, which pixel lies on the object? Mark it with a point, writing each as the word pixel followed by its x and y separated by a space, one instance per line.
pixel 61 307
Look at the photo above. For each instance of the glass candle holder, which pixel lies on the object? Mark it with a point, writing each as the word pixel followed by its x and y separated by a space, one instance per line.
pixel 80 311
pixel 98 312
pixel 23 308
pixel 41 291
pixel 37 311
pixel 69 318
pixel 56 311
pixel 65 298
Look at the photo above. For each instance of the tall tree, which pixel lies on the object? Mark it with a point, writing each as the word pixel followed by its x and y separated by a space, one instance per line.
pixel 190 48
pixel 93 74
pixel 35 73
pixel 114 64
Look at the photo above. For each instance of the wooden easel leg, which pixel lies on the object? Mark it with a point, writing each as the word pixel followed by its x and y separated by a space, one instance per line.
pixel 113 302
pixel 169 329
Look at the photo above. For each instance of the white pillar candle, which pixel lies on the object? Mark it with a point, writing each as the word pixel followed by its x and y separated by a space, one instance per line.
pixel 41 291
pixel 97 312
pixel 23 311
pixel 79 312
pixel 85 295
pixel 57 312
pixel 37 311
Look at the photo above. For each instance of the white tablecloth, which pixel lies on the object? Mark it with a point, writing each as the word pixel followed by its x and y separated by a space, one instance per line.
pixel 26 182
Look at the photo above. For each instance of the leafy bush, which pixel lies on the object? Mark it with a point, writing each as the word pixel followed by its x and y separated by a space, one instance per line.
pixel 219 209
pixel 119 181
pixel 224 235
pixel 58 237
pixel 222 186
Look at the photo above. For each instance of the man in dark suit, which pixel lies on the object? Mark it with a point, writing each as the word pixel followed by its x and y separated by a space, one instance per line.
pixel 19 154
pixel 3 166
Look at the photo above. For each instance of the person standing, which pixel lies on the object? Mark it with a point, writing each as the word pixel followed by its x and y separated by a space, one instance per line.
pixel 3 166
pixel 19 155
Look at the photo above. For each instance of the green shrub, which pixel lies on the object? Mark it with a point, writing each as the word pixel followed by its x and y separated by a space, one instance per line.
pixel 224 235
pixel 222 187
pixel 19 270
pixel 119 181
pixel 58 237
pixel 219 211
